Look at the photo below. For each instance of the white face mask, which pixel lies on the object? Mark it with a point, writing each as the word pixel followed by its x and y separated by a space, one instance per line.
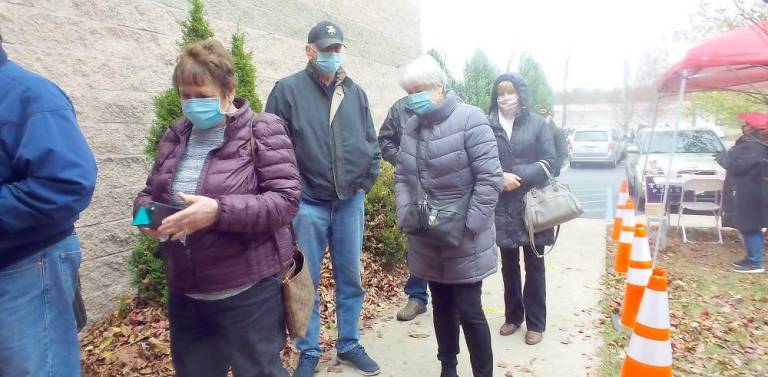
pixel 508 104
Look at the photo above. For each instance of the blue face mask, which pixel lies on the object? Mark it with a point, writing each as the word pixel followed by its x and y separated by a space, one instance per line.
pixel 328 62
pixel 420 103
pixel 204 113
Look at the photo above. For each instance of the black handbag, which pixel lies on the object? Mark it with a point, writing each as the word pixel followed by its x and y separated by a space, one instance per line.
pixel 438 222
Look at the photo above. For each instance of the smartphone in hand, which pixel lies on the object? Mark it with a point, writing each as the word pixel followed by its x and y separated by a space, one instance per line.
pixel 157 213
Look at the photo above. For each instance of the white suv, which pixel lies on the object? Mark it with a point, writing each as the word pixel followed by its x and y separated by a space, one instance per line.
pixel 596 145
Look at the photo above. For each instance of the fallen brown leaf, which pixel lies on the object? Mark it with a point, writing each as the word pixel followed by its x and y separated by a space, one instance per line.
pixel 418 335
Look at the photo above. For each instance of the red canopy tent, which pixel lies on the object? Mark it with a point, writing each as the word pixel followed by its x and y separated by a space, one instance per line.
pixel 734 61
pixel 737 60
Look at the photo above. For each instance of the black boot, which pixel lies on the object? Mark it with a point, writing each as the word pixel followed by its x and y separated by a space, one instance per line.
pixel 449 368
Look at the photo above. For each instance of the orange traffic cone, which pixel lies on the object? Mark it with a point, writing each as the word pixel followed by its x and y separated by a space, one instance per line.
pixel 620 208
pixel 640 265
pixel 649 353
pixel 625 239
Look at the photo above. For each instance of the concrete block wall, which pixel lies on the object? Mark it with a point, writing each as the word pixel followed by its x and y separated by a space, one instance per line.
pixel 113 57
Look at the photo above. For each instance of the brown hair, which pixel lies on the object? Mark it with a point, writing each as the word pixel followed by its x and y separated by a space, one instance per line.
pixel 203 62
pixel 506 87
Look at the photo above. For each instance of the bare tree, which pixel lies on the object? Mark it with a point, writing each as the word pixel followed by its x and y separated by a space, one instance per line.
pixel 565 88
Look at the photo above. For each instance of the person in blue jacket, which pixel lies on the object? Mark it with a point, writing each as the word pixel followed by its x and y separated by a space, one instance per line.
pixel 47 177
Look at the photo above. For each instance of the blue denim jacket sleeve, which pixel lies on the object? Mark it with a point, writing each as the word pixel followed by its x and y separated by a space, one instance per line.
pixel 56 170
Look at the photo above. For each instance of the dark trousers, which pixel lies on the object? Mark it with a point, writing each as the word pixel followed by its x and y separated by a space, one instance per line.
pixel 245 332
pixel 459 304
pixel 528 302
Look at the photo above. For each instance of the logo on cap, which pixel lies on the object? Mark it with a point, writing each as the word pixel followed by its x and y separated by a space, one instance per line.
pixel 330 29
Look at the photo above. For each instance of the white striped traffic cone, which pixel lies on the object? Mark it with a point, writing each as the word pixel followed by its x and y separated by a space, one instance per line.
pixel 640 270
pixel 626 238
pixel 620 208
pixel 649 353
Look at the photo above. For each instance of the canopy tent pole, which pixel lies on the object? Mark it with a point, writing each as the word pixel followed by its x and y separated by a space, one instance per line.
pixel 663 225
pixel 644 147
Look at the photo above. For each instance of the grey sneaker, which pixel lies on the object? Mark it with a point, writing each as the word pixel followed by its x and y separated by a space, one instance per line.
pixel 749 269
pixel 359 359
pixel 411 310
pixel 308 365
pixel 741 263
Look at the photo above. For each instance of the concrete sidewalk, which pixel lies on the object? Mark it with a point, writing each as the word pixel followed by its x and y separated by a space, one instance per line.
pixel 570 343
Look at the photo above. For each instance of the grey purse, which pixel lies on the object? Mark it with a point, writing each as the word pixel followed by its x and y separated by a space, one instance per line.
pixel 549 206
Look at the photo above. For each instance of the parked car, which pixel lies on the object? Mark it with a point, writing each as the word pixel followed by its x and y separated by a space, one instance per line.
pixel 604 145
pixel 651 152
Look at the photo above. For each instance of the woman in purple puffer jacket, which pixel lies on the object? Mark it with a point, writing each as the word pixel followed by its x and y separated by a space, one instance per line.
pixel 235 173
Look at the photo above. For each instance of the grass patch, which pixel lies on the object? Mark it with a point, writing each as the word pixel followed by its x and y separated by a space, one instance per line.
pixel 719 318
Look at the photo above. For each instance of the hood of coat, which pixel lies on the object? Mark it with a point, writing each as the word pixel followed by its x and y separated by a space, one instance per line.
pixel 522 95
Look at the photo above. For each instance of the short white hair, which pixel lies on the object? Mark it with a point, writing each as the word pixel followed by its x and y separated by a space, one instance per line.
pixel 422 71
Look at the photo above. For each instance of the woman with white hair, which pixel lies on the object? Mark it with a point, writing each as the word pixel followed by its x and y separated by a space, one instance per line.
pixel 447 169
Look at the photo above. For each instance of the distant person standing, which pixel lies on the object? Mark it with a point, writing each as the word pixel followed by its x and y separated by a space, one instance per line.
pixel 746 165
pixel 329 118
pixel 390 133
pixel 47 177
pixel 559 138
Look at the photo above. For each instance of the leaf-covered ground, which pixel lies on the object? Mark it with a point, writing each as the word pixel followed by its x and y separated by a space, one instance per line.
pixel 134 339
pixel 719 318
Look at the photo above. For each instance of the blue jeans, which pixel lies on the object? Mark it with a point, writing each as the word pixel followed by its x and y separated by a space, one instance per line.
pixel 754 242
pixel 416 289
pixel 339 225
pixel 38 332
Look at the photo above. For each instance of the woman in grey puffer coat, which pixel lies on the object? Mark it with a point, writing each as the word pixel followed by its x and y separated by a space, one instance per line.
pixel 523 139
pixel 451 149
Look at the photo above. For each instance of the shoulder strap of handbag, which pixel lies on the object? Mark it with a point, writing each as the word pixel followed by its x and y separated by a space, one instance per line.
pixel 545 166
pixel 547 169
pixel 420 193
pixel 286 272
pixel 533 245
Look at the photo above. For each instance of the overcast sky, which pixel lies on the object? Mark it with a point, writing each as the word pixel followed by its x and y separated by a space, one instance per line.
pixel 601 34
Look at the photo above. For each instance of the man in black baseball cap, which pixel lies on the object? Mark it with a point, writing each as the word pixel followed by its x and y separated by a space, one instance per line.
pixel 338 156
pixel 324 47
pixel 324 34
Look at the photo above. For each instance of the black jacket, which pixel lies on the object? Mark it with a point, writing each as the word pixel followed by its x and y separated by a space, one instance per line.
pixel 531 142
pixel 561 147
pixel 391 130
pixel 334 160
pixel 746 165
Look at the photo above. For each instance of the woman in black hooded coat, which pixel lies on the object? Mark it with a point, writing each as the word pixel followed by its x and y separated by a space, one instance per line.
pixel 523 140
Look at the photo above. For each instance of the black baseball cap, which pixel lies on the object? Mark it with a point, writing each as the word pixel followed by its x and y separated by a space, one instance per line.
pixel 325 34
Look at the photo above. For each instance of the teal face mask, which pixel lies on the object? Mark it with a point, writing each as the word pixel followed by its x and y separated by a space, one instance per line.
pixel 204 113
pixel 328 62
pixel 420 103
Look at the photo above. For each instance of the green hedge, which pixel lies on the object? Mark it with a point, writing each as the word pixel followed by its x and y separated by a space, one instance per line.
pixel 382 236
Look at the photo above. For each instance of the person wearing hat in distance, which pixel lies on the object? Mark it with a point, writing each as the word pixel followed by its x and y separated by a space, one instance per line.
pixel 746 163
pixel 329 118
pixel 558 137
